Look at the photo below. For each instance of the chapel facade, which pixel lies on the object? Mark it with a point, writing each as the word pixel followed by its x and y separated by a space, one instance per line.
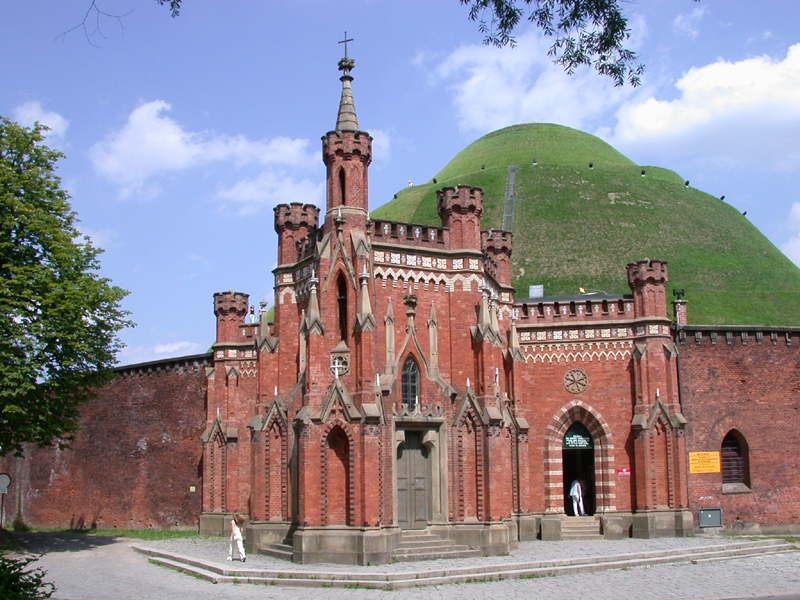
pixel 402 387
pixel 402 399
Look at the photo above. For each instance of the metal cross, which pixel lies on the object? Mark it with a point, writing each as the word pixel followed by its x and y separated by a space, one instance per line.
pixel 344 41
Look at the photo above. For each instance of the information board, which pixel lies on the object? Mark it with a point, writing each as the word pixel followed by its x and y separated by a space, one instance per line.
pixel 704 462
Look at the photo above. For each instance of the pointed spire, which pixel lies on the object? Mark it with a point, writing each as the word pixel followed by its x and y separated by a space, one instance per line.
pixel 314 320
pixel 365 321
pixel 346 120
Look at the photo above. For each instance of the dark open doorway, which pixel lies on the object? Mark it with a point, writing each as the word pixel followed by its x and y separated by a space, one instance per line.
pixel 578 463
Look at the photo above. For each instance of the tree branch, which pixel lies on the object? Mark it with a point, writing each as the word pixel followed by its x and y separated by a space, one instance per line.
pixel 92 23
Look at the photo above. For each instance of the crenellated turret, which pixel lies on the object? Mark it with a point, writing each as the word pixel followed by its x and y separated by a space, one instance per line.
pixel 294 223
pixel 497 246
pixel 230 309
pixel 460 209
pixel 347 152
pixel 648 280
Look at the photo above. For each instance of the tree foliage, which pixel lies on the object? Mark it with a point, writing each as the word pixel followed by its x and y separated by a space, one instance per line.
pixel 58 317
pixel 586 32
pixel 18 582
pixel 174 6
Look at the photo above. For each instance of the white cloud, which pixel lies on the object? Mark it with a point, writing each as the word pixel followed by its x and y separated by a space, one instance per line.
pixel 151 144
pixel 727 114
pixel 177 348
pixel 792 247
pixel 131 355
pixel 270 189
pixel 495 87
pixel 101 238
pixel 28 113
pixel 381 145
pixel 689 23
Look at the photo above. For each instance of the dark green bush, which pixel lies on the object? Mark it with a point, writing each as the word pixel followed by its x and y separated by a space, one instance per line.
pixel 17 582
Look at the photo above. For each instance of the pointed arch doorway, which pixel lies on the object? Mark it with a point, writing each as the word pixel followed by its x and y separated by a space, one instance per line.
pixel 577 459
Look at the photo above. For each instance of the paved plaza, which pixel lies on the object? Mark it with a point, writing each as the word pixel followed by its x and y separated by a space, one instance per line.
pixel 88 567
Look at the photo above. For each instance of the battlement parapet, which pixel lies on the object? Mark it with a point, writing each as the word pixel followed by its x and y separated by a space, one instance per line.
pixel 647 271
pixel 461 199
pixel 166 365
pixel 408 234
pixel 296 216
pixel 738 335
pixel 575 309
pixel 227 303
pixel 497 241
pixel 347 143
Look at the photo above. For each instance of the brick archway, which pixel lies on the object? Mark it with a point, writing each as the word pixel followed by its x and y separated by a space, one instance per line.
pixel 605 484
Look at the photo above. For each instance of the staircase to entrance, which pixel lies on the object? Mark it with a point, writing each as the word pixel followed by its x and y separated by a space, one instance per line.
pixel 421 544
pixel 581 528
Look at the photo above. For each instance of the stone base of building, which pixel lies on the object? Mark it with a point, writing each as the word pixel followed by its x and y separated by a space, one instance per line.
pixel 528 527
pixel 494 539
pixel 616 525
pixel 351 546
pixel 344 545
pixel 743 528
pixel 662 523
pixel 215 523
pixel 260 534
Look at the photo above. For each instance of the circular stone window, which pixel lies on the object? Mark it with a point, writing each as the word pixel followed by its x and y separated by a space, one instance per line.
pixel 575 381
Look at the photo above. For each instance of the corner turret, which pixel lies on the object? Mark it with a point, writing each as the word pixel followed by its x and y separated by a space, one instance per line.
pixel 460 209
pixel 648 280
pixel 230 309
pixel 497 248
pixel 294 223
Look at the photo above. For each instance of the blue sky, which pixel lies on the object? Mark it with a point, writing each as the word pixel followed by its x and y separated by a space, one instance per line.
pixel 182 134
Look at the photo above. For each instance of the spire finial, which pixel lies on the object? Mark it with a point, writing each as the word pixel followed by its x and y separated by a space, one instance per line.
pixel 346 120
pixel 344 41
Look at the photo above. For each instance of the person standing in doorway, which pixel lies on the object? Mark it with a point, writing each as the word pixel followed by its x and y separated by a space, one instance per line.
pixel 236 537
pixel 576 493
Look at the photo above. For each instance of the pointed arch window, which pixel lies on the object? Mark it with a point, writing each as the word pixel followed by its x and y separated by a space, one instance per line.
pixel 341 299
pixel 735 463
pixel 410 382
pixel 342 186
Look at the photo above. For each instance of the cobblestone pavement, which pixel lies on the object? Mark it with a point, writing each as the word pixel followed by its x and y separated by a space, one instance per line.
pixel 101 568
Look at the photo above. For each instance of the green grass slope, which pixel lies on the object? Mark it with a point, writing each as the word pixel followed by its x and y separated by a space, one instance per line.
pixel 578 227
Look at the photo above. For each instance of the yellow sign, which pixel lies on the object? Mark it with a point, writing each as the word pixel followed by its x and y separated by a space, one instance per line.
pixel 704 462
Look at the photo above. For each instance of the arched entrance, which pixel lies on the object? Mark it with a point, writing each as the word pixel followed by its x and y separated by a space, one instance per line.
pixel 577 459
pixel 602 485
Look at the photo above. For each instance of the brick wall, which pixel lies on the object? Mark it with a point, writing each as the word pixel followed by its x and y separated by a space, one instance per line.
pixel 133 462
pixel 743 379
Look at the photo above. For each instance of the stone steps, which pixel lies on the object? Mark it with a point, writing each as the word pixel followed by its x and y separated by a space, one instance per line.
pixel 283 550
pixel 581 528
pixel 377 578
pixel 424 545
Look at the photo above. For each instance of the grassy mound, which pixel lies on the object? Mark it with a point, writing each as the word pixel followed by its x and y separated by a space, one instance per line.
pixel 576 226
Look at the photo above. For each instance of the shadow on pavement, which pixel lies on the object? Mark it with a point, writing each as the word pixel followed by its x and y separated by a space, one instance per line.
pixel 57 541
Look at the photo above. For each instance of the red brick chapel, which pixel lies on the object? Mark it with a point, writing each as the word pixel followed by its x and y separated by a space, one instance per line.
pixel 402 398
pixel 400 387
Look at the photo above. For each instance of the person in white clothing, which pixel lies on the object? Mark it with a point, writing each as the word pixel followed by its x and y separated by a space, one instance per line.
pixel 576 493
pixel 236 537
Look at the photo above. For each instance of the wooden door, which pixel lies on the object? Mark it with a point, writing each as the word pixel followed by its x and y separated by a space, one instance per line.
pixel 412 482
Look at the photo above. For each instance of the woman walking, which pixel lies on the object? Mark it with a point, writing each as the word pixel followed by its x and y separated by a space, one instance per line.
pixel 236 537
